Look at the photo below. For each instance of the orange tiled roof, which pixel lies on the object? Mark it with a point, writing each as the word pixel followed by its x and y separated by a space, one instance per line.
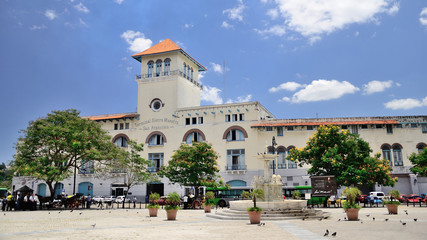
pixel 166 46
pixel 112 116
pixel 275 124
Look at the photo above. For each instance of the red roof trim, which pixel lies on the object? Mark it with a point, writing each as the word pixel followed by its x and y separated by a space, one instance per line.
pixel 112 116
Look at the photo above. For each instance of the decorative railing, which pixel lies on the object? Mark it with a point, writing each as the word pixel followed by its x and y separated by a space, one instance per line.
pixel 153 169
pixel 165 74
pixel 235 167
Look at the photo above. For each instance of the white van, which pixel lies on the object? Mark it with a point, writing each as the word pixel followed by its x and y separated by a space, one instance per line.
pixel 379 195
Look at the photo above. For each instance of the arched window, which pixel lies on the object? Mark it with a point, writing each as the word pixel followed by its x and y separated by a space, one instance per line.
pixel 188 72
pixel 235 133
pixel 150 69
pixel 185 70
pixel 421 147
pixel 121 141
pixel 194 135
pixel 291 164
pixel 156 139
pixel 191 76
pixel 87 167
pixel 397 155
pixel 167 67
pixel 387 153
pixel 281 160
pixel 58 189
pixel 158 67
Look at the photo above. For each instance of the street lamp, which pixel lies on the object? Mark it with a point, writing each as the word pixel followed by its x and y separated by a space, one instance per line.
pixel 273 143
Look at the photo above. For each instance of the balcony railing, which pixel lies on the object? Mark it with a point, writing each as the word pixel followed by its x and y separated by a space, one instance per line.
pixel 153 169
pixel 279 166
pixel 170 73
pixel 235 167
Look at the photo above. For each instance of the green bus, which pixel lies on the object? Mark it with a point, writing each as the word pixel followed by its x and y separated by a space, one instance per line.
pixel 3 192
pixel 224 195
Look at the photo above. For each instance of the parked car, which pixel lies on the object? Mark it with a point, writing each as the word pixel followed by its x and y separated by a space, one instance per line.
pixel 361 198
pixel 412 198
pixel 120 199
pixel 372 200
pixel 98 199
pixel 403 198
pixel 109 199
pixel 379 195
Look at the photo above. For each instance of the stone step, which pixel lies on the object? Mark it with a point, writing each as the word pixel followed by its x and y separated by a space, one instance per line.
pixel 274 215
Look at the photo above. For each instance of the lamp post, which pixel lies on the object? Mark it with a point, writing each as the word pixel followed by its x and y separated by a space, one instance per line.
pixel 273 143
pixel 74 185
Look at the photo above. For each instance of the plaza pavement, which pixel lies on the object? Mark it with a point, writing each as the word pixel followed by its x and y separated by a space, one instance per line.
pixel 193 224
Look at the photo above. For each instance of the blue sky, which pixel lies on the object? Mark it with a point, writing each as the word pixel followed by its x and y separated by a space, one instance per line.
pixel 300 59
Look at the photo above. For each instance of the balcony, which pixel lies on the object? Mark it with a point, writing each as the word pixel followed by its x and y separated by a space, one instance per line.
pixel 166 74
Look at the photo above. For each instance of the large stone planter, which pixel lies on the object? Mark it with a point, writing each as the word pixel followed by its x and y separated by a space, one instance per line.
pixel 171 214
pixel 392 208
pixel 254 217
pixel 153 212
pixel 352 214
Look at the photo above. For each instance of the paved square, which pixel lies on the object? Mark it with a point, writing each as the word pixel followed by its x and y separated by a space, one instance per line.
pixel 191 224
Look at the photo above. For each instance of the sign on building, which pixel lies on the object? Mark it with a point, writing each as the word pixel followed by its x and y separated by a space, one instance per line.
pixel 323 186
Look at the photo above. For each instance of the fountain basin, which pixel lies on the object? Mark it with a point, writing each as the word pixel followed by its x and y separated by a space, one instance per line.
pixel 242 205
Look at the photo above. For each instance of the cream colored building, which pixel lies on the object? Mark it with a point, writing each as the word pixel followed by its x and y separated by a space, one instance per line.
pixel 169 114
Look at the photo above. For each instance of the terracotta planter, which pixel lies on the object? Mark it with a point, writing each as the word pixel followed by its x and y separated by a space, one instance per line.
pixel 352 214
pixel 171 214
pixel 392 208
pixel 254 217
pixel 207 208
pixel 153 212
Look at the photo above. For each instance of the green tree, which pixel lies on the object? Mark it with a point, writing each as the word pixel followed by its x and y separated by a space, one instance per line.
pixel 6 175
pixel 331 151
pixel 193 165
pixel 420 163
pixel 54 145
pixel 133 167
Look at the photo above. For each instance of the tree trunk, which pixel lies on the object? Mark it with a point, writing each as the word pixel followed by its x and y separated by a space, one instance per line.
pixel 52 190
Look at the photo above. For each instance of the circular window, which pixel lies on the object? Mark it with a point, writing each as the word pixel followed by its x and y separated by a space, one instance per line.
pixel 156 105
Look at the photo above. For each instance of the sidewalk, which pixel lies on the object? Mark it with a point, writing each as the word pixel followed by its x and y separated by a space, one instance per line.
pixel 191 224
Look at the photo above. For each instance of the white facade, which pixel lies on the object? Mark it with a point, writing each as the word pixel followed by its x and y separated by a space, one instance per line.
pixel 169 114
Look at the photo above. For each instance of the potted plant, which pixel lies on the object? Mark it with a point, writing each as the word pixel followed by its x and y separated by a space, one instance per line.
pixel 172 205
pixel 255 212
pixel 153 206
pixel 245 195
pixel 209 201
pixel 350 206
pixel 296 195
pixel 392 203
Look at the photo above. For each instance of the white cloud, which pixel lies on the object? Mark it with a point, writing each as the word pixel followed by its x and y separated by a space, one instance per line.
pixel 37 27
pixel 277 30
pixel 235 13
pixel 119 1
pixel 246 98
pixel 273 13
pixel 217 68
pixel 312 18
pixel 188 25
pixel 81 8
pixel 423 16
pixel 226 25
pixel 289 86
pixel 376 86
pixel 82 22
pixel 50 14
pixel 405 104
pixel 284 99
pixel 322 90
pixel 211 94
pixel 136 40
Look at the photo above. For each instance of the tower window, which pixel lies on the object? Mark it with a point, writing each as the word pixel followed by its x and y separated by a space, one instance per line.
pixel 158 67
pixel 150 69
pixel 167 67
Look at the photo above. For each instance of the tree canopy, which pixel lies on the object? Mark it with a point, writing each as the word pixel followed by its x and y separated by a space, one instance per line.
pixel 420 163
pixel 193 165
pixel 53 145
pixel 133 167
pixel 331 151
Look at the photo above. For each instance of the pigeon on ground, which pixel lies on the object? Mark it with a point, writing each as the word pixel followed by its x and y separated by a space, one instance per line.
pixel 403 223
pixel 367 215
pixel 415 219
pixel 373 219
pixel 326 233
pixel 334 234
pixel 386 219
pixel 93 225
pixel 261 224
